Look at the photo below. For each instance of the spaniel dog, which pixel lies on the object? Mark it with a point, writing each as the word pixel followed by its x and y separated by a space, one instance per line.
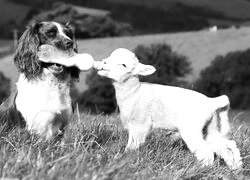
pixel 42 98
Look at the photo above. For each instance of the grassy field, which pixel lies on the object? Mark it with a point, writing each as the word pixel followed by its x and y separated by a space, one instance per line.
pixel 200 47
pixel 91 149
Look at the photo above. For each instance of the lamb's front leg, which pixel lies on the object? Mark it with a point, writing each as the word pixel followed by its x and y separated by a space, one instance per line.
pixel 136 135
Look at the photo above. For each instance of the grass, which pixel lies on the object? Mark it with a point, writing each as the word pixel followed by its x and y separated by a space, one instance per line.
pixel 91 149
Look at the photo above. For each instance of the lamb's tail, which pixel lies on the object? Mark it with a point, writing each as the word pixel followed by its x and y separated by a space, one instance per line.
pixel 222 106
pixel 222 102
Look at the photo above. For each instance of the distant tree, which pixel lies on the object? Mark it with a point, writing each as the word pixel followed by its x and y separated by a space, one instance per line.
pixel 4 87
pixel 228 75
pixel 170 66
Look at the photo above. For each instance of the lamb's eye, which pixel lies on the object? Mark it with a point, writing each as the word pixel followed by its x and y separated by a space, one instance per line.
pixel 124 65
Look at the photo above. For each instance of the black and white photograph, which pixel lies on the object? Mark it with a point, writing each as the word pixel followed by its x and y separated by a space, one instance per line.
pixel 125 89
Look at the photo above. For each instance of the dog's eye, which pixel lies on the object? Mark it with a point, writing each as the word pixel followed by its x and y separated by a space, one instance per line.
pixel 51 33
pixel 124 65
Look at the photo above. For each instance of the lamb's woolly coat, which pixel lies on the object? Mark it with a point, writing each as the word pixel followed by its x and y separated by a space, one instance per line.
pixel 202 122
pixel 159 105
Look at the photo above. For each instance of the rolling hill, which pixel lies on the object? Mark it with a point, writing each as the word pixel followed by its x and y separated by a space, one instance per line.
pixel 238 9
pixel 10 11
pixel 200 47
pixel 158 16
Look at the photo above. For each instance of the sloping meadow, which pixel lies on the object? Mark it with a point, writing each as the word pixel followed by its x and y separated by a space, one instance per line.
pixel 92 148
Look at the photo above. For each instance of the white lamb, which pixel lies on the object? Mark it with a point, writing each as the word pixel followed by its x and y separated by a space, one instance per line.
pixel 202 122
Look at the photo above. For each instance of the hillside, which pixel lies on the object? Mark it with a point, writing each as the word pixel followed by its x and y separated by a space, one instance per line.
pixel 12 12
pixel 200 47
pixel 238 9
pixel 160 16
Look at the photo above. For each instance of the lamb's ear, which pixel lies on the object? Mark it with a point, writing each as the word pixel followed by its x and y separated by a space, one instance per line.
pixel 143 70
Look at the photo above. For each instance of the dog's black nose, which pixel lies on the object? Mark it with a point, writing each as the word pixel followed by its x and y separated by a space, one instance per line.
pixel 69 43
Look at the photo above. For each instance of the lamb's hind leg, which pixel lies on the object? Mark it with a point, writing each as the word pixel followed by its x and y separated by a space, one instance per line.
pixel 226 149
pixel 216 139
pixel 198 146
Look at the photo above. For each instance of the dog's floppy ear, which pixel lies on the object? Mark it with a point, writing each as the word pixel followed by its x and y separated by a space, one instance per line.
pixel 74 72
pixel 72 29
pixel 26 58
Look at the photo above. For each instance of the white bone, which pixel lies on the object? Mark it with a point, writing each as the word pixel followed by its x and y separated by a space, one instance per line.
pixel 50 54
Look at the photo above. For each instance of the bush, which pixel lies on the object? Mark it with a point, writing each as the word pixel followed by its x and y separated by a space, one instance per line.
pixel 4 87
pixel 228 75
pixel 100 97
pixel 170 66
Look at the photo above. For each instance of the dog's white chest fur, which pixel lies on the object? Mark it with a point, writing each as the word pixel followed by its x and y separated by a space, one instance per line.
pixel 45 104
